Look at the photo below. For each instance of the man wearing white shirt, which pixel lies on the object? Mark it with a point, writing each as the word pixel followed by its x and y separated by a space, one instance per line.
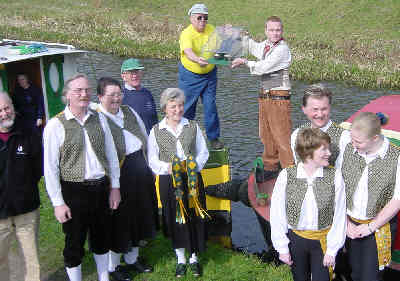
pixel 80 162
pixel 371 171
pixel 275 123
pixel 316 106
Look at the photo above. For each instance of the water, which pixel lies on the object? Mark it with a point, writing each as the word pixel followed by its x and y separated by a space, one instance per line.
pixel 238 113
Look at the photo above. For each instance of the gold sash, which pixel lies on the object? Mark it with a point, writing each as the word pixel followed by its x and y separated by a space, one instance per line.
pixel 383 239
pixel 317 235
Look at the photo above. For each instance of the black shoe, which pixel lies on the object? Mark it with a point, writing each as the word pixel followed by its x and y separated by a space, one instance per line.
pixel 216 144
pixel 390 274
pixel 180 270
pixel 265 175
pixel 139 267
pixel 119 274
pixel 196 269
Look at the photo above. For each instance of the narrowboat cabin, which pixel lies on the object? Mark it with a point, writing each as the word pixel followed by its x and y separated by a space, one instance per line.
pixel 47 65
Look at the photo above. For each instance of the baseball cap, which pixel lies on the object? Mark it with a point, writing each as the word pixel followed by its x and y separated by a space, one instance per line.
pixel 198 9
pixel 131 64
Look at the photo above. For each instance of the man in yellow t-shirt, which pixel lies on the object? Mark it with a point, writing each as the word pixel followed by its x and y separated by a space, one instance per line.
pixel 198 78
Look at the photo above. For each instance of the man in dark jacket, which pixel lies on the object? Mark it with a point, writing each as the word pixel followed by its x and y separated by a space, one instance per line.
pixel 20 172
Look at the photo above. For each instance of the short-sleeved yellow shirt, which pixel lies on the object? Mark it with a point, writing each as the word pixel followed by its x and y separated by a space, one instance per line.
pixel 191 38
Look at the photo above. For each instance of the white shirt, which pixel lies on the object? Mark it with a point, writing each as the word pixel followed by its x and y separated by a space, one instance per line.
pixel 132 143
pixel 130 88
pixel 279 57
pixel 345 138
pixel 160 167
pixel 53 139
pixel 309 212
pixel 360 196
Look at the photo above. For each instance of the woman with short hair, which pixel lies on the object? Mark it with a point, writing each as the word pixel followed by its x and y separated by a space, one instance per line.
pixel 177 152
pixel 136 218
pixel 308 218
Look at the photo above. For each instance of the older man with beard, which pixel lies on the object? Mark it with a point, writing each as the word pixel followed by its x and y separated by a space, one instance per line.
pixel 20 171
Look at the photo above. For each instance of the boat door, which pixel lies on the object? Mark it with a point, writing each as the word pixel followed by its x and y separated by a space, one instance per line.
pixel 31 68
pixel 53 70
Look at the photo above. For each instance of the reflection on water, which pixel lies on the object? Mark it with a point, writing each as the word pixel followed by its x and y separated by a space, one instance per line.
pixel 238 113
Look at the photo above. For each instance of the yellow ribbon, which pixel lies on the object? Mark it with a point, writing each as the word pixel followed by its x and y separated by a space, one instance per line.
pixel 179 167
pixel 383 240
pixel 317 235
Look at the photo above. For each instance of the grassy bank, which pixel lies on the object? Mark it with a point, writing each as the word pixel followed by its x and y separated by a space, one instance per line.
pixel 353 41
pixel 218 263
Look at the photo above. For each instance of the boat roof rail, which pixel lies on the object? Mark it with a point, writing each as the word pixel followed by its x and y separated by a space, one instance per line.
pixel 49 45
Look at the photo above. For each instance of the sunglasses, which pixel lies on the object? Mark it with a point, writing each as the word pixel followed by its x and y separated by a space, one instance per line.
pixel 202 17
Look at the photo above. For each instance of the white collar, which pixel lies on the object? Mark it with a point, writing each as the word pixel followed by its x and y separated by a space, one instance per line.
pixel 163 124
pixel 326 127
pixel 381 152
pixel 119 114
pixel 69 115
pixel 130 88
pixel 301 172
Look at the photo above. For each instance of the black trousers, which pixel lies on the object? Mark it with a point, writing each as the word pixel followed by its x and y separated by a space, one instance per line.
pixel 91 215
pixel 307 259
pixel 363 258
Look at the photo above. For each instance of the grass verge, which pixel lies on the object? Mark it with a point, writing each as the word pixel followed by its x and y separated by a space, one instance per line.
pixel 218 263
pixel 352 41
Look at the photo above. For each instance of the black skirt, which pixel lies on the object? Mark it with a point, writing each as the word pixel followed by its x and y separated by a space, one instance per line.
pixel 192 235
pixel 137 215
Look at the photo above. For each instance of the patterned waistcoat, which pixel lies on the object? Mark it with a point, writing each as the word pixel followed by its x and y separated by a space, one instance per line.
pixel 381 177
pixel 132 126
pixel 324 192
pixel 167 142
pixel 334 132
pixel 72 158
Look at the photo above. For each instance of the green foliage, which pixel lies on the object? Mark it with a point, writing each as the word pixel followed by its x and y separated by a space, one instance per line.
pixel 359 37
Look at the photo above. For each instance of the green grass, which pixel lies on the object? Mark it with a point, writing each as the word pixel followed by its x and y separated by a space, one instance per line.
pixel 354 41
pixel 218 263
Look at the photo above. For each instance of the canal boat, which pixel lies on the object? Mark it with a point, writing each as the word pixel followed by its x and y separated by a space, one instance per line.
pixel 47 65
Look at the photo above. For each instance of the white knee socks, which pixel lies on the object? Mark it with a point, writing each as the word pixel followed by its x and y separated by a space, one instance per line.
pixel 113 261
pixel 132 256
pixel 102 266
pixel 193 258
pixel 74 273
pixel 180 254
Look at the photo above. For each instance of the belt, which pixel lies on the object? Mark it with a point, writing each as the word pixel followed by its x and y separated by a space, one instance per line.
pixel 274 94
pixel 93 182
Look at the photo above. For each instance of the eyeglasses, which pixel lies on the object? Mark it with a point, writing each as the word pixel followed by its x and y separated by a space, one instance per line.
pixel 199 18
pixel 79 91
pixel 114 95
